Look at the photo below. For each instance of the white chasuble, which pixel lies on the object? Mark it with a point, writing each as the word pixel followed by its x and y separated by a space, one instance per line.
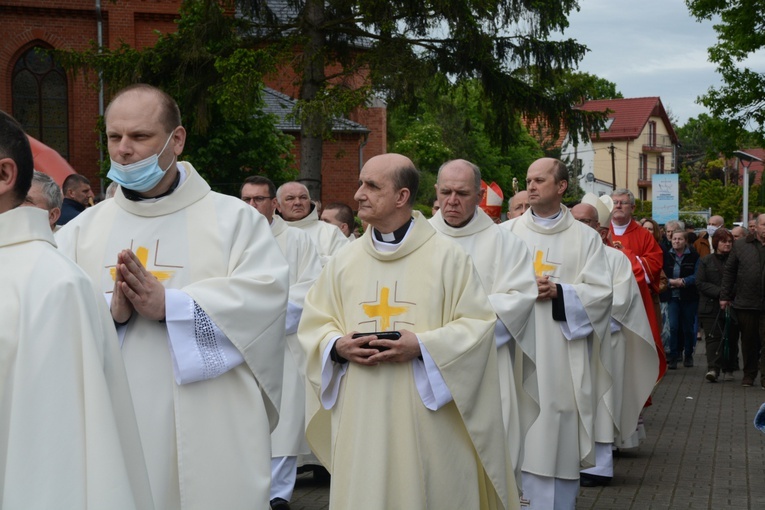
pixel 571 374
pixel 327 238
pixel 507 275
pixel 634 367
pixel 68 432
pixel 384 448
pixel 207 443
pixel 288 439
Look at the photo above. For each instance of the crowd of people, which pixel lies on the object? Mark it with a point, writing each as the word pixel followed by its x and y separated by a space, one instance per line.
pixel 175 348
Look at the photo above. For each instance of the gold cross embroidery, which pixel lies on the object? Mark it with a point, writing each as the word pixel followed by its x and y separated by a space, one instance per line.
pixel 383 309
pixel 143 255
pixel 539 266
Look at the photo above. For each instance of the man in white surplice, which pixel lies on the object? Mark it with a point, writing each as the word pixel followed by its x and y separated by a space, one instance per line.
pixel 288 440
pixel 572 316
pixel 295 207
pixel 632 365
pixel 68 434
pixel 507 275
pixel 198 288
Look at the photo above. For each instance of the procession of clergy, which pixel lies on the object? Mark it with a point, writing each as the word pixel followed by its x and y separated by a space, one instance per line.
pixel 175 348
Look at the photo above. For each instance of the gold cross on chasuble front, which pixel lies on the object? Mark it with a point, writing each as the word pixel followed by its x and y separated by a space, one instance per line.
pixel 143 255
pixel 383 310
pixel 540 267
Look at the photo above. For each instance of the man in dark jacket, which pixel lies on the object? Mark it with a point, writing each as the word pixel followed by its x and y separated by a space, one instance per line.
pixel 742 286
pixel 77 197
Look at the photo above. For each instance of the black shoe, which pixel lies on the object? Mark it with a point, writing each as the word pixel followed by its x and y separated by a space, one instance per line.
pixel 280 504
pixel 672 365
pixel 688 362
pixel 588 480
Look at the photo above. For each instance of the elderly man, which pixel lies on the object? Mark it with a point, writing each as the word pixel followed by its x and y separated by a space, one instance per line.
pixel 77 197
pixel 507 276
pixel 341 216
pixel 68 437
pixel 738 233
pixel 46 195
pixel 198 289
pixel 703 244
pixel 572 318
pixel 519 204
pixel 629 356
pixel 742 288
pixel 411 412
pixel 294 204
pixel 628 235
pixel 287 440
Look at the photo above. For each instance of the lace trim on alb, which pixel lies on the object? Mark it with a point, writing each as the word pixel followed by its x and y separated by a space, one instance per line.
pixel 212 356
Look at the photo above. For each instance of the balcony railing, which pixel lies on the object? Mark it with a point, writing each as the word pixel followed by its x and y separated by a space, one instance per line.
pixel 644 174
pixel 657 143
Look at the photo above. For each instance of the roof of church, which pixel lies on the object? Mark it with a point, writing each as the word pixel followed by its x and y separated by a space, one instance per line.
pixel 282 105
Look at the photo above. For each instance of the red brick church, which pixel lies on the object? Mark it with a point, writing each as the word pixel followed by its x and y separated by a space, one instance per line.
pixel 61 110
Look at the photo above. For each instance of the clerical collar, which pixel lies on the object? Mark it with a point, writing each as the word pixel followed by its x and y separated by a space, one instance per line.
pixel 619 229
pixel 546 222
pixel 394 237
pixel 135 197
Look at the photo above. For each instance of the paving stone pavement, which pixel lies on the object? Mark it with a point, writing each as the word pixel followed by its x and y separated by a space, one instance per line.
pixel 701 452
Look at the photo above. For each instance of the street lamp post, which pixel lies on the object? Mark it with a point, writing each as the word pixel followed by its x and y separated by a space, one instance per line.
pixel 746 160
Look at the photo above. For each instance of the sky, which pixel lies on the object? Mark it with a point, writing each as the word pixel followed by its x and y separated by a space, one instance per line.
pixel 648 48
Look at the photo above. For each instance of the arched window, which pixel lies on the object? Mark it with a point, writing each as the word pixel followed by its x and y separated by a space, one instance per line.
pixel 40 103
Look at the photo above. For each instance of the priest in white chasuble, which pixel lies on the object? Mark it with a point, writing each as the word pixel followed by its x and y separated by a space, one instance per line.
pixel 507 275
pixel 632 366
pixel 288 439
pixel 572 316
pixel 413 422
pixel 296 208
pixel 68 433
pixel 198 288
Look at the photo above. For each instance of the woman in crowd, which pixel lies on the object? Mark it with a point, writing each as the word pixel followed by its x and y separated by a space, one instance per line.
pixel 721 331
pixel 682 298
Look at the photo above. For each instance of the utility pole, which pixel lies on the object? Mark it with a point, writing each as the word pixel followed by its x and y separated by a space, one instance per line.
pixel 613 165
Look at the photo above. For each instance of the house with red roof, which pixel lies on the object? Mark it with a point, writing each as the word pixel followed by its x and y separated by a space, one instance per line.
pixel 638 142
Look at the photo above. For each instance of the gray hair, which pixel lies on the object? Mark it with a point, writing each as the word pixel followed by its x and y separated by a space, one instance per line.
pixel 472 166
pixel 624 191
pixel 50 190
pixel 674 223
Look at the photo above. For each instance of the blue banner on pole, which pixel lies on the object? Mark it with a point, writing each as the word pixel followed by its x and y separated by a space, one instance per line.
pixel 665 197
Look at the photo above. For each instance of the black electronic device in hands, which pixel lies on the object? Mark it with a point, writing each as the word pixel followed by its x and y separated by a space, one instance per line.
pixel 381 335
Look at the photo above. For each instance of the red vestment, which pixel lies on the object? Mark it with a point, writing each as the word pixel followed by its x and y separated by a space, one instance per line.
pixel 647 259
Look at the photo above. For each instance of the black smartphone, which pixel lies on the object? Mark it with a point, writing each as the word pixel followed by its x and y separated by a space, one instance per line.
pixel 381 335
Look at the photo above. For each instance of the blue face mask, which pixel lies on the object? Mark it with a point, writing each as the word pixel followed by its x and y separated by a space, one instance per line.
pixel 140 176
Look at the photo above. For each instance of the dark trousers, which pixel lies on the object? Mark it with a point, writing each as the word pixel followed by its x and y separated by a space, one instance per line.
pixel 752 325
pixel 720 355
pixel 682 328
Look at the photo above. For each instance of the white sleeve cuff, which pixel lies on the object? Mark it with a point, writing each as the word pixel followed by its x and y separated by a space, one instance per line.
pixel 577 324
pixel 331 375
pixel 430 383
pixel 501 334
pixel 198 347
pixel 294 311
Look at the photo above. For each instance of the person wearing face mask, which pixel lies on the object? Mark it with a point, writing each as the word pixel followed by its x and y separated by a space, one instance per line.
pixel 198 289
pixel 703 245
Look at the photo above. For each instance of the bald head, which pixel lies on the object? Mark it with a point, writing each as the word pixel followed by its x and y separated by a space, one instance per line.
pixel 716 221
pixel 587 214
pixel 519 203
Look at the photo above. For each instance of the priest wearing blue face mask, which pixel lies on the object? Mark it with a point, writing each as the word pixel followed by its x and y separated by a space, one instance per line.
pixel 197 288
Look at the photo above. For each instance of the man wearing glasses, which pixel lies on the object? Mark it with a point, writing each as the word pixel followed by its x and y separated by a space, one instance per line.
pixel 628 235
pixel 288 438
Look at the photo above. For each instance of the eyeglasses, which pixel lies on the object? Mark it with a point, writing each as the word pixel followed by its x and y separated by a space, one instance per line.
pixel 257 200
